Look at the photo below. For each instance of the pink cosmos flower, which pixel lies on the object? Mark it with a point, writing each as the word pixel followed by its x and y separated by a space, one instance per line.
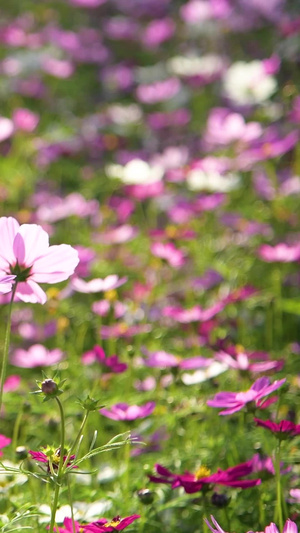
pixel 11 383
pixel 25 120
pixel 36 355
pixel 123 411
pixel 202 478
pixel 158 91
pixel 235 401
pixel 6 284
pixel 282 253
pixel 241 360
pixel 25 253
pixel 157 32
pixel 169 252
pixel 98 285
pixel 58 67
pixel 194 314
pixel 123 330
pixel 225 127
pixel 4 441
pixel 289 527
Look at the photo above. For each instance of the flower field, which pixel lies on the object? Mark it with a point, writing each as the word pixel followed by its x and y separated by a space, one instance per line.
pixel 149 266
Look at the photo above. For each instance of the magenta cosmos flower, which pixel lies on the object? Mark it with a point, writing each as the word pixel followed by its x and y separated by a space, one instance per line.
pixel 116 524
pixel 195 482
pixel 4 441
pixel 283 430
pixel 235 401
pixel 25 253
pixel 289 527
pixel 51 457
pixel 123 411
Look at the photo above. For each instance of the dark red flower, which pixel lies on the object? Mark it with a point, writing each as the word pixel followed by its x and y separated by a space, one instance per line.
pixel 202 478
pixel 283 430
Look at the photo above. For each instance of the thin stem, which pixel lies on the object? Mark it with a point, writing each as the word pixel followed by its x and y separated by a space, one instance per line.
pixel 54 507
pixel 17 430
pixel 6 345
pixel 60 466
pixel 62 436
pixel 71 505
pixel 278 487
pixel 73 447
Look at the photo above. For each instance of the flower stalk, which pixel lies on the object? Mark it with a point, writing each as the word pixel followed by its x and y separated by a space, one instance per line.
pixel 6 344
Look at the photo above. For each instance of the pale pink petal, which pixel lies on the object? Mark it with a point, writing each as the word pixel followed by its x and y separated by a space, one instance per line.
pixel 30 292
pixel 31 242
pixel 6 284
pixel 271 528
pixel 8 230
pixel 56 264
pixel 290 527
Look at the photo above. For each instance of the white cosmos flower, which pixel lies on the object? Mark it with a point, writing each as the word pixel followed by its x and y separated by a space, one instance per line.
pixel 202 375
pixel 136 172
pixel 248 83
pixel 198 180
pixel 193 65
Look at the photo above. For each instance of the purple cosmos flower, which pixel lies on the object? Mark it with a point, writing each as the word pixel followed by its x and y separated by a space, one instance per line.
pixel 289 527
pixel 36 355
pixel 123 411
pixel 283 430
pixel 202 478
pixel 25 253
pixel 235 401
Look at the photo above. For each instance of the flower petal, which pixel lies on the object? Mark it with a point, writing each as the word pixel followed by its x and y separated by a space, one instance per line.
pixel 8 230
pixel 31 242
pixel 56 264
pixel 30 292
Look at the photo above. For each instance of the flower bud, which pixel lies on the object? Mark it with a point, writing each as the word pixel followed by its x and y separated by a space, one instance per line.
pixel 21 453
pixel 49 387
pixel 220 500
pixel 146 496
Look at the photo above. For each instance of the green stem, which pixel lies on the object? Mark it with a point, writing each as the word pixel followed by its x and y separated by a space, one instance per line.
pixel 16 430
pixel 278 487
pixel 62 436
pixel 73 447
pixel 6 345
pixel 60 466
pixel 54 507
pixel 71 505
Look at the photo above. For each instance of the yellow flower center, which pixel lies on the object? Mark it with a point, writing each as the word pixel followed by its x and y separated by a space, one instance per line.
pixel 171 231
pixel 110 295
pixel 115 522
pixel 202 472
